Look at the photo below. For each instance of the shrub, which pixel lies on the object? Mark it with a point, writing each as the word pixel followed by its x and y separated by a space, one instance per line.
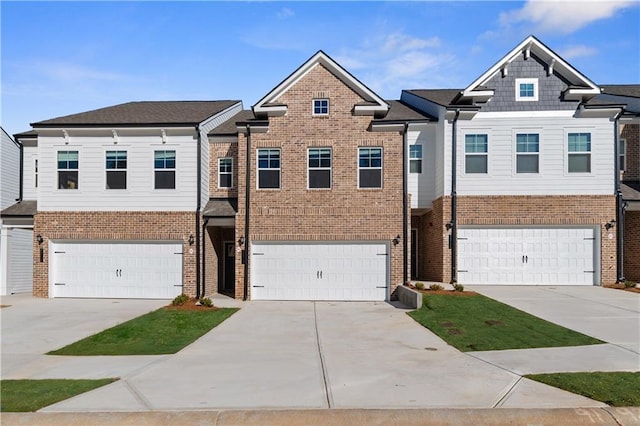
pixel 419 285
pixel 629 284
pixel 458 287
pixel 205 301
pixel 180 300
pixel 436 287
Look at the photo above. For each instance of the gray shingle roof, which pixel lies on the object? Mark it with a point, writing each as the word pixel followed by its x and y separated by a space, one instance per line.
pixel 442 97
pixel 24 208
pixel 143 113
pixel 221 207
pixel 630 191
pixel 631 90
pixel 400 111
pixel 27 134
pixel 229 126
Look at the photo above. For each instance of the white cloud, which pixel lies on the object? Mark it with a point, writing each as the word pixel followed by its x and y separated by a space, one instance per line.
pixel 577 51
pixel 402 42
pixel 72 72
pixel 562 16
pixel 285 13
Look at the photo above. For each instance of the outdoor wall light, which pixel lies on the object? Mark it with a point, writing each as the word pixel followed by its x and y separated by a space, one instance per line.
pixel 190 239
pixel 448 225
pixel 241 241
pixel 610 224
pixel 39 239
pixel 396 240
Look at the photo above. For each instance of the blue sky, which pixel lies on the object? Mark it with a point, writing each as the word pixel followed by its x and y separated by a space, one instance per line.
pixel 61 58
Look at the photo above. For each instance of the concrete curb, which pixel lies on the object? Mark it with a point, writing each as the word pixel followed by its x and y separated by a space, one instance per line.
pixel 409 297
pixel 565 416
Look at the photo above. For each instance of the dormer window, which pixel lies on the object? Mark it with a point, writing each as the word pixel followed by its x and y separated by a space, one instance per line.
pixel 321 107
pixel 526 89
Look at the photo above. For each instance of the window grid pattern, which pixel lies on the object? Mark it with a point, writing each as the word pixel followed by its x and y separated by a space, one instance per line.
pixel 116 165
pixel 225 173
pixel 527 148
pixel 415 159
pixel 579 152
pixel 370 167
pixel 164 163
pixel 622 153
pixel 268 168
pixel 320 106
pixel 476 148
pixel 68 163
pixel 319 162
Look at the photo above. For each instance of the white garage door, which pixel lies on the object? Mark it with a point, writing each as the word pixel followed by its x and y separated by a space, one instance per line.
pixel 322 271
pixel 538 256
pixel 20 262
pixel 140 270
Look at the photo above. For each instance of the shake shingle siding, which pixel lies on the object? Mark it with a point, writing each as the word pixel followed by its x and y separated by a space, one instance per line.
pixel 549 89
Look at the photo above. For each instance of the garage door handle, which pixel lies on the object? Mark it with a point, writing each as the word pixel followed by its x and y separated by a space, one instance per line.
pixel 317 274
pixel 257 286
pixel 59 284
pixel 320 274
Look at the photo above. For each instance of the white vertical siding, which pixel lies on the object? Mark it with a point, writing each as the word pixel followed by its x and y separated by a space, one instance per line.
pixel 29 190
pixel 9 171
pixel 422 186
pixel 140 194
pixel 553 178
pixel 20 265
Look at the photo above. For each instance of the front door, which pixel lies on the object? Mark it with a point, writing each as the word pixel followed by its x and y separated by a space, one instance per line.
pixel 414 253
pixel 229 268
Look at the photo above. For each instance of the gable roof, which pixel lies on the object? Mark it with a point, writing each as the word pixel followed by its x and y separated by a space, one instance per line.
pixel 442 97
pixel 153 113
pixel 229 127
pixel 373 105
pixel 628 90
pixel 402 112
pixel 580 87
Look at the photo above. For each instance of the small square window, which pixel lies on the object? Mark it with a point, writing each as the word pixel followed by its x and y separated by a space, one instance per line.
pixel 526 89
pixel 321 107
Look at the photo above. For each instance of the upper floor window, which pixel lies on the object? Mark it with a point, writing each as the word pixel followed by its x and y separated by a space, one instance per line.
pixel 68 169
pixel 35 173
pixel 622 155
pixel 526 89
pixel 319 168
pixel 579 153
pixel 527 153
pixel 320 106
pixel 116 165
pixel 369 167
pixel 415 159
pixel 225 172
pixel 164 163
pixel 476 148
pixel 269 168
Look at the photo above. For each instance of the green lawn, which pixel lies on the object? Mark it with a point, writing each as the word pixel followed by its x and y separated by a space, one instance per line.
pixel 477 323
pixel 618 389
pixel 164 331
pixel 32 395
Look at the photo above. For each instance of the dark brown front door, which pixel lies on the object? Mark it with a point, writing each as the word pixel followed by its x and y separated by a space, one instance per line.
pixel 414 253
pixel 229 268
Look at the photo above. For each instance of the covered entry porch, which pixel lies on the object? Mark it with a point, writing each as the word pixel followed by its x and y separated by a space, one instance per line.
pixel 219 249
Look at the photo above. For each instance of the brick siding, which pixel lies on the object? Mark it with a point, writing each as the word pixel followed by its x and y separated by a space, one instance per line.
pixel 631 134
pixel 112 226
pixel 219 150
pixel 632 245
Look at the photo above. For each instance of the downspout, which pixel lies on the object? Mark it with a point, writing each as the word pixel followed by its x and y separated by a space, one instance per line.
pixel 247 191
pixel 619 204
pixel 454 201
pixel 197 214
pixel 405 245
pixel 204 264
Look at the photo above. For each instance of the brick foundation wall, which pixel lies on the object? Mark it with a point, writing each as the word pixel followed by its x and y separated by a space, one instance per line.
pixel 295 213
pixel 112 226
pixel 631 133
pixel 632 245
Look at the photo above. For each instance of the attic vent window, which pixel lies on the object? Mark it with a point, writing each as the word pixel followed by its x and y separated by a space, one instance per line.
pixel 526 89
pixel 321 107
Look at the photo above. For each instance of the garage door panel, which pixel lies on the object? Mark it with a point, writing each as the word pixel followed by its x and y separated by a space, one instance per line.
pixel 559 256
pixel 319 271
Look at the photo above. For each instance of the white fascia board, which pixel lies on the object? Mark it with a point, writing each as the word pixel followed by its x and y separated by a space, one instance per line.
pixel 463 115
pixel 271 111
pixel 579 94
pixel 603 112
pixel 387 127
pixel 526 114
pixel 233 109
pixel 369 109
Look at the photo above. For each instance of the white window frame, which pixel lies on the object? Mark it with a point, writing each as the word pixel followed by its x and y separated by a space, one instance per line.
pixel 622 154
pixel 381 168
pixel 330 168
pixel 220 173
pixel 416 159
pixel 167 169
pixel 77 169
pixel 116 169
pixel 279 169
pixel 313 107
pixel 517 153
pixel 486 154
pixel 520 81
pixel 35 173
pixel 569 153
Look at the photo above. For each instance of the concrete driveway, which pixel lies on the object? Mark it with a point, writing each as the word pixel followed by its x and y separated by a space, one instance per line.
pixel 276 355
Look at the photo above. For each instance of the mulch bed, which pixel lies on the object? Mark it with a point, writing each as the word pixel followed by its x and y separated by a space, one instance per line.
pixel 621 286
pixel 447 292
pixel 190 305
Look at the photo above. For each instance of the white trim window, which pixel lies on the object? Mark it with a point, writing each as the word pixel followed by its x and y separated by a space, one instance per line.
pixel 116 169
pixel 268 168
pixel 321 107
pixel 476 159
pixel 369 168
pixel 527 153
pixel 164 163
pixel 225 172
pixel 415 158
pixel 579 153
pixel 622 154
pixel 68 163
pixel 35 173
pixel 526 89
pixel 319 168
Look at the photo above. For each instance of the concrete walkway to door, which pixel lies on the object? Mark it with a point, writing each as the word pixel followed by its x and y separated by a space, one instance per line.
pixel 318 355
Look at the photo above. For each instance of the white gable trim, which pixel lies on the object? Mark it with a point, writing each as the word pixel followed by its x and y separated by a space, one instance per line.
pixel 553 61
pixel 379 106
